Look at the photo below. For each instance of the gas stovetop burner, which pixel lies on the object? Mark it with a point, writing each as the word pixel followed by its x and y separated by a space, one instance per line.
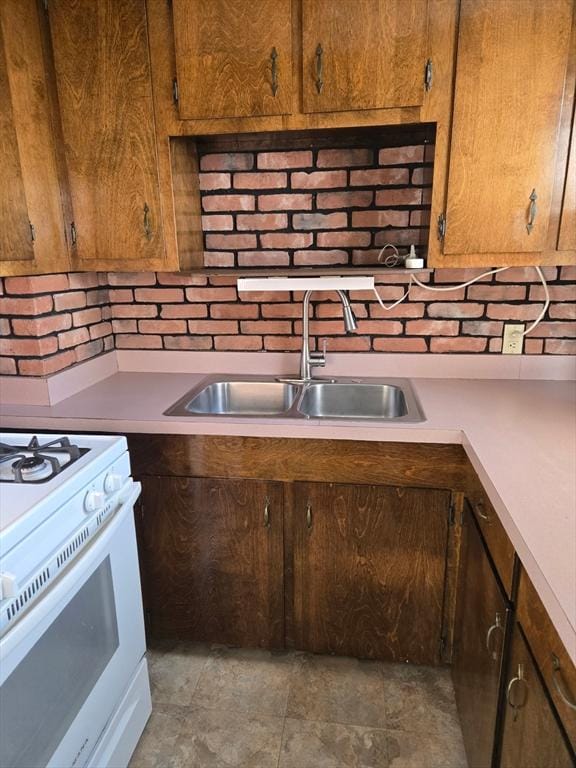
pixel 37 463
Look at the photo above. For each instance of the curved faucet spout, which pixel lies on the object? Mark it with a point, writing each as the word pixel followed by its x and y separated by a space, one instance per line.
pixel 308 359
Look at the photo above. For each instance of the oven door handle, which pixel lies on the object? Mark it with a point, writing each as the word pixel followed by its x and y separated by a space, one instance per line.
pixel 57 595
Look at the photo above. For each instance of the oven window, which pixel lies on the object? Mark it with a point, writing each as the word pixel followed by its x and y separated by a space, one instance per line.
pixel 45 692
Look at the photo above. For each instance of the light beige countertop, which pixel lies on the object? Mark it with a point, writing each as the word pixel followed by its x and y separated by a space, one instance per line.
pixel 520 436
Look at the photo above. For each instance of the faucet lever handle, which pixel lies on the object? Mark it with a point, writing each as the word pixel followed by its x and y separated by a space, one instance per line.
pixel 324 345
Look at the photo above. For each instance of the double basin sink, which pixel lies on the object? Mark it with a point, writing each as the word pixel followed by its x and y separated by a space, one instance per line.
pixel 342 398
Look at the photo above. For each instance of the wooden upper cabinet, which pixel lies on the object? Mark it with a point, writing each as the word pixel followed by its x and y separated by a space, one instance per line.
pixel 369 570
pixel 567 234
pixel 102 68
pixel 32 237
pixel 363 54
pixel 510 73
pixel 233 58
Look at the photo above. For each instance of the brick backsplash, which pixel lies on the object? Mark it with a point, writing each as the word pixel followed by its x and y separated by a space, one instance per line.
pixel 328 207
pixel 50 322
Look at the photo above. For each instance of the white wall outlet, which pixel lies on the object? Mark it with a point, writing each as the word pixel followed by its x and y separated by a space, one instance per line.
pixel 513 341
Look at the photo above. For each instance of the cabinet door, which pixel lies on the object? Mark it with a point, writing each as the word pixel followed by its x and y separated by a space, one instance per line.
pixel 369 570
pixel 531 736
pixel 511 65
pixel 480 628
pixel 363 54
pixel 234 58
pixel 567 235
pixel 32 231
pixel 212 560
pixel 105 94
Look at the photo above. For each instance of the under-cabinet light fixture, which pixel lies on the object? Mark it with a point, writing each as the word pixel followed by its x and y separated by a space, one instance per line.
pixel 326 283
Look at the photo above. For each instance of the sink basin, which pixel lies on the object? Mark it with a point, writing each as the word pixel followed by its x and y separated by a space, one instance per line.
pixel 345 398
pixel 239 398
pixel 353 401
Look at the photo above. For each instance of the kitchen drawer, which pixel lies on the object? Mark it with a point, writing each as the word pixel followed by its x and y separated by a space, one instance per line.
pixel 499 545
pixel 556 667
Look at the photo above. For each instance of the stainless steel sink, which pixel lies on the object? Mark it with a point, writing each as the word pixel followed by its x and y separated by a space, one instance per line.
pixel 353 401
pixel 344 398
pixel 239 398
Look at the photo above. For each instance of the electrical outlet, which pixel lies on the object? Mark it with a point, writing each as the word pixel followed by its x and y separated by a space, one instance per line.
pixel 513 341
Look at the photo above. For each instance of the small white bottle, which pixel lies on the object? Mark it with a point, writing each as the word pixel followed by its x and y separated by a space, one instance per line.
pixel 413 261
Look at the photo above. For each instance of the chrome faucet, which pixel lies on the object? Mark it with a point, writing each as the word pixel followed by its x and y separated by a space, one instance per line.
pixel 309 360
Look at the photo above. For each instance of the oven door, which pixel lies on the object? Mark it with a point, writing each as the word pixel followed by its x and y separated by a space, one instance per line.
pixel 66 664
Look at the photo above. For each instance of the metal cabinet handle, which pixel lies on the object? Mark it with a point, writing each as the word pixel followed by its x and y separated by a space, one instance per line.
pixel 274 67
pixel 557 684
pixel 147 225
pixel 319 68
pixel 267 514
pixel 479 510
pixel 519 680
pixel 532 211
pixel 308 515
pixel 497 625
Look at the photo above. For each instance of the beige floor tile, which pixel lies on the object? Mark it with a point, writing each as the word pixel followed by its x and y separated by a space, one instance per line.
pixel 175 671
pixel 251 681
pixel 307 744
pixel 338 690
pixel 157 744
pixel 212 738
pixel 433 750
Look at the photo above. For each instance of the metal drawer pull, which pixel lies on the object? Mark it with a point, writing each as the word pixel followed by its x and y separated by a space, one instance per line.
pixel 481 514
pixel 309 516
pixel 274 67
pixel 557 684
pixel 267 514
pixel 497 625
pixel 519 680
pixel 532 211
pixel 147 226
pixel 319 68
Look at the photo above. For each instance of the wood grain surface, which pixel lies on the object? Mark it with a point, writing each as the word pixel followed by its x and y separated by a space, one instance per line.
pixel 567 235
pixel 105 93
pixel 347 461
pixel 533 737
pixel 511 67
pixel 374 53
pixel 223 57
pixel 211 569
pixel 369 569
pixel 476 667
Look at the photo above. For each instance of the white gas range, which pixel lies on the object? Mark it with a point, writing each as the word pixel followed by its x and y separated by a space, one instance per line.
pixel 74 685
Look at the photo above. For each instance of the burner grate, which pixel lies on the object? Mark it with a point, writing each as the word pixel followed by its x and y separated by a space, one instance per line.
pixel 34 458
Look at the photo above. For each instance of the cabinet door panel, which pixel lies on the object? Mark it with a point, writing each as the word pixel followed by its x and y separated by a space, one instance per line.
pixel 511 66
pixel 212 569
pixel 532 736
pixel 369 570
pixel 480 628
pixel 373 53
pixel 105 94
pixel 567 235
pixel 224 57
pixel 30 183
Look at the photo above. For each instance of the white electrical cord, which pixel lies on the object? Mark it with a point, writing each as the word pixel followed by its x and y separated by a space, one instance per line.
pixel 414 279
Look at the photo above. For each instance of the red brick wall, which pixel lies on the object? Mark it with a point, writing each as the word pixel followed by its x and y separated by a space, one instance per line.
pixel 310 207
pixel 51 322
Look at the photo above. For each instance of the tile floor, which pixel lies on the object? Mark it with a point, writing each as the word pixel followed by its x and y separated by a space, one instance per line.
pixel 217 707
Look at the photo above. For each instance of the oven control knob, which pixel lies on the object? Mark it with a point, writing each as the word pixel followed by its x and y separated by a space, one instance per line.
pixel 8 585
pixel 94 501
pixel 112 482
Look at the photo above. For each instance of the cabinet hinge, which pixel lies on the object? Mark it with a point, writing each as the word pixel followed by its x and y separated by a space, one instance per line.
pixel 441 226
pixel 428 75
pixel 452 513
pixel 32 232
pixel 73 235
pixel 442 645
pixel 175 91
pixel 45 4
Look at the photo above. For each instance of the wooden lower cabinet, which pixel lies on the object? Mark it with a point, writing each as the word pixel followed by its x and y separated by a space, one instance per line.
pixel 532 737
pixel 480 630
pixel 369 570
pixel 211 557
